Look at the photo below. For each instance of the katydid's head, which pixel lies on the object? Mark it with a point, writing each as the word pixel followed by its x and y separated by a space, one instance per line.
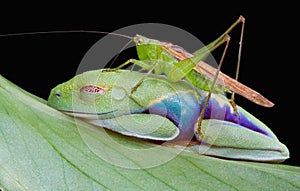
pixel 93 94
pixel 147 48
pixel 142 40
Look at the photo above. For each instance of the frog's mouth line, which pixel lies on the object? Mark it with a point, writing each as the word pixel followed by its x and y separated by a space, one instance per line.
pixel 87 115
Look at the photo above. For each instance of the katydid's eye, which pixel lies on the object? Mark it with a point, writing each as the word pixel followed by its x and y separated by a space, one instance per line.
pixel 139 41
pixel 90 91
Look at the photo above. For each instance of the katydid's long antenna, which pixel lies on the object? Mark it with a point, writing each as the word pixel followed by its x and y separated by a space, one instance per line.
pixel 74 31
pixel 126 45
pixel 239 56
pixel 199 131
pixel 65 31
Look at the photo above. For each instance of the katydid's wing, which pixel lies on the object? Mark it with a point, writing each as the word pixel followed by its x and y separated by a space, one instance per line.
pixel 184 65
pixel 186 61
pixel 232 84
pixel 147 126
pixel 230 140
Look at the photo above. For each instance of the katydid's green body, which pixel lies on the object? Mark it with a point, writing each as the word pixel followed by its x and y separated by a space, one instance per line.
pixel 153 56
pixel 163 110
pixel 176 63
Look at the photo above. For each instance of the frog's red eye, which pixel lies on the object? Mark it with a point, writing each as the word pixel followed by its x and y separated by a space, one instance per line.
pixel 93 90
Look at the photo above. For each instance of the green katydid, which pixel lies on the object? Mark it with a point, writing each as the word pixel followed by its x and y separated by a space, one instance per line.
pixel 161 110
pixel 176 63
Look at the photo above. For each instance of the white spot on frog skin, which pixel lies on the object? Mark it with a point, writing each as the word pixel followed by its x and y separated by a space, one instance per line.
pixel 118 93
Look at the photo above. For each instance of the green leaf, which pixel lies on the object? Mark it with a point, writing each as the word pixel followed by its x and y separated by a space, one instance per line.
pixel 43 149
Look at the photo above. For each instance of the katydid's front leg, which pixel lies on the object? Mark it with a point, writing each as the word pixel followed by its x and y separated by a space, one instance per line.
pixel 143 64
pixel 148 65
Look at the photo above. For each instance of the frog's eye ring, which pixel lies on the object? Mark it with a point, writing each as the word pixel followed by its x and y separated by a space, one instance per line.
pixel 93 90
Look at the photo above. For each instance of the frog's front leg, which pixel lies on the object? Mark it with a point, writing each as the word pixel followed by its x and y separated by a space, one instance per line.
pixel 147 126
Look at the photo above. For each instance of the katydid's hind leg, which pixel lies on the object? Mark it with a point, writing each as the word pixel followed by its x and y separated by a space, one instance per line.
pixel 233 105
pixel 199 131
pixel 238 64
pixel 200 118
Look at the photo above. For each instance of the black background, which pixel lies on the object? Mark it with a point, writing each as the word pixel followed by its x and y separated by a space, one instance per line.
pixel 269 59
